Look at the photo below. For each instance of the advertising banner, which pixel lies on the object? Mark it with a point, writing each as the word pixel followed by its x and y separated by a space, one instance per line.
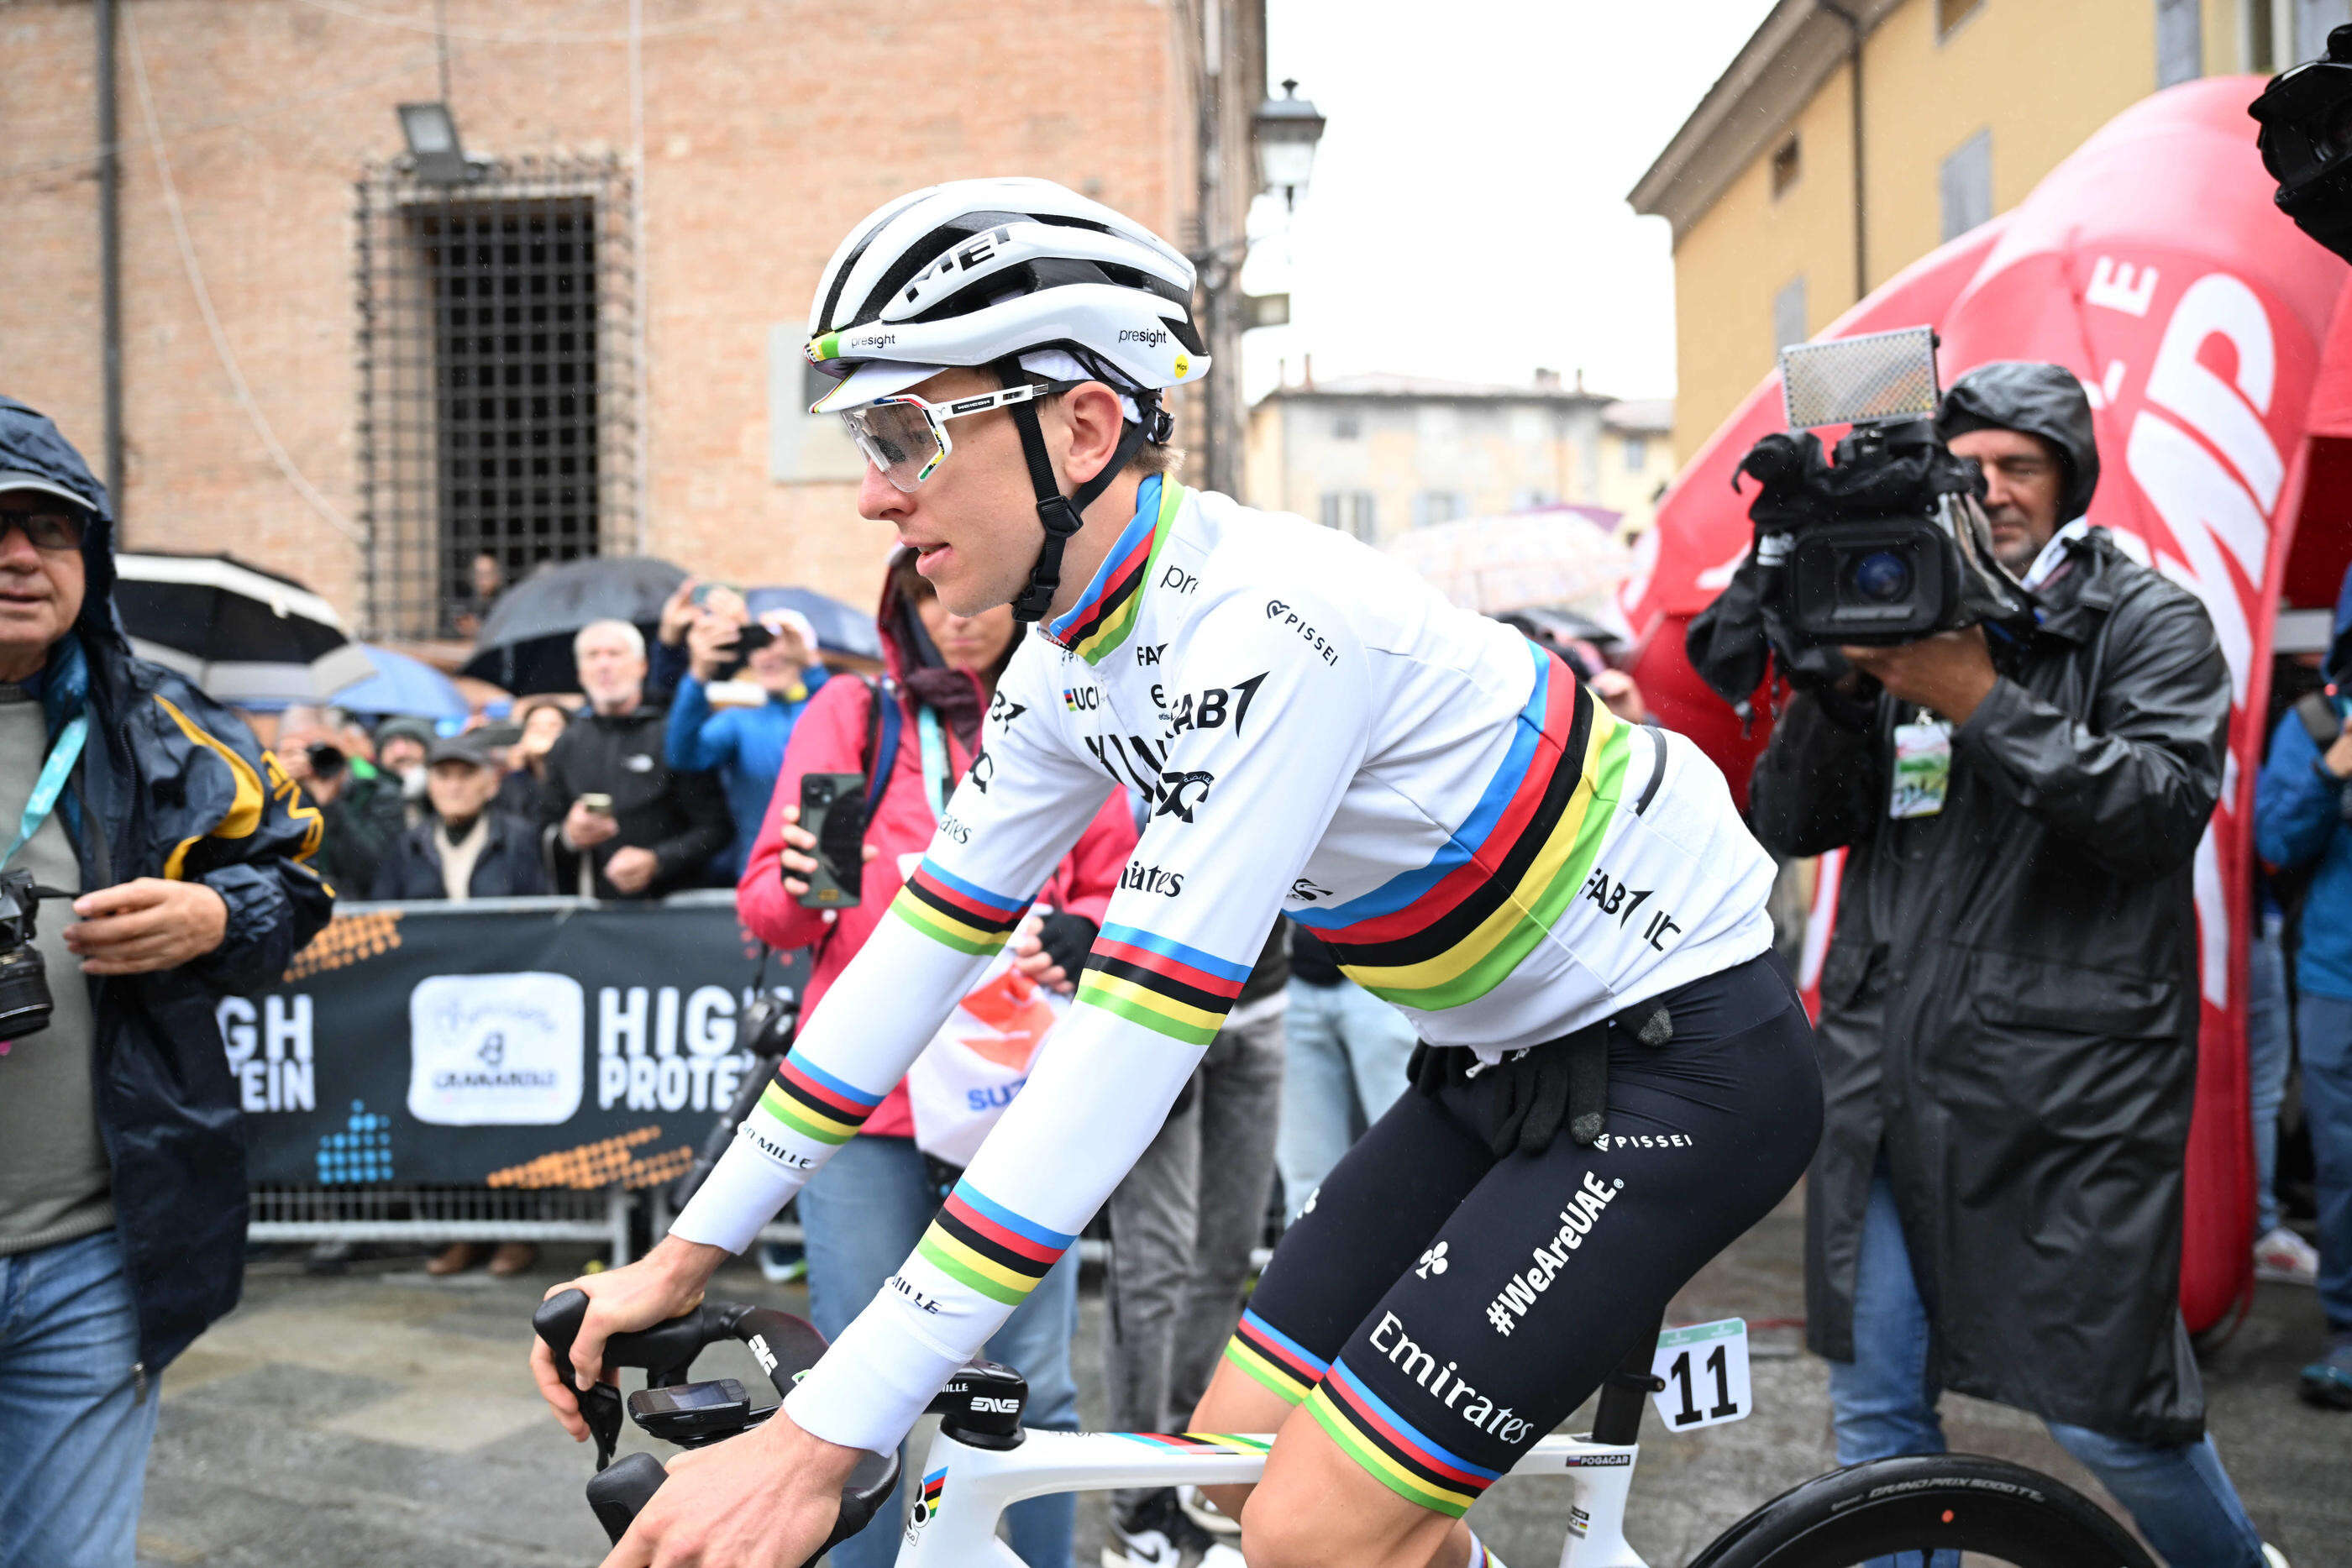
pixel 509 1042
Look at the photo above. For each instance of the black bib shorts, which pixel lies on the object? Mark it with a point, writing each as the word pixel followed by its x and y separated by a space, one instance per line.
pixel 1440 1309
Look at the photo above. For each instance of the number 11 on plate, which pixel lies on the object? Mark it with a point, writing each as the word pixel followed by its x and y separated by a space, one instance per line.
pixel 1705 1369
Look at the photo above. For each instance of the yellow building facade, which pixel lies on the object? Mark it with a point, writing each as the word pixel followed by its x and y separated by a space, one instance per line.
pixel 1964 105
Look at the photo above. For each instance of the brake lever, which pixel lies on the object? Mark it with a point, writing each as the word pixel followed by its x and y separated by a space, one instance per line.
pixel 557 1321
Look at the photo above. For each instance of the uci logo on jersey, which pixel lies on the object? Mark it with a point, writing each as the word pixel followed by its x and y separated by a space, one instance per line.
pixel 1081 699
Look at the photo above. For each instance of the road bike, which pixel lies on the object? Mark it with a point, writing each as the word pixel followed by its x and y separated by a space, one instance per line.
pixel 983 1460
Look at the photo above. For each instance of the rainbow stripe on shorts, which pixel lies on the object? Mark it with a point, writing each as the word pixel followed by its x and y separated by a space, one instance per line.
pixel 1393 1451
pixel 1273 1358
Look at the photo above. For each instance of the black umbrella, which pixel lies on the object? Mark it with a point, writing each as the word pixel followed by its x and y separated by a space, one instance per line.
pixel 525 643
pixel 240 633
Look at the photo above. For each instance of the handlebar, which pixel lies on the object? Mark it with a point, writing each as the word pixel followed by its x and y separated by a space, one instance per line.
pixel 785 1347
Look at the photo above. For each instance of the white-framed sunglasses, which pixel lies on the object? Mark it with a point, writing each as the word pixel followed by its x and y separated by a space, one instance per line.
pixel 906 437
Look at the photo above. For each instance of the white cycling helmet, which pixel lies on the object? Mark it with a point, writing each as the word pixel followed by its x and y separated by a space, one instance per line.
pixel 1021 275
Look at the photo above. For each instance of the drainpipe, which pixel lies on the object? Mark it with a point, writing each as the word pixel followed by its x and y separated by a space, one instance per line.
pixel 1860 211
pixel 109 258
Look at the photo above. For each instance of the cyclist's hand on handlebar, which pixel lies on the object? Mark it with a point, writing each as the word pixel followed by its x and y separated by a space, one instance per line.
pixel 666 1282
pixel 765 1500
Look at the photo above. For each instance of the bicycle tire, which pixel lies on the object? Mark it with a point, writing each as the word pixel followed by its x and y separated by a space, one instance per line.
pixel 1927 1502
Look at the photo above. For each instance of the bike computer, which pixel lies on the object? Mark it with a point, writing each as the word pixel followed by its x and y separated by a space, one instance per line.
pixel 691 1409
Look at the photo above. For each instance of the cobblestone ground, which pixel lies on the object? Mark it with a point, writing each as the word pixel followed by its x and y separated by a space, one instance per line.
pixel 386 1419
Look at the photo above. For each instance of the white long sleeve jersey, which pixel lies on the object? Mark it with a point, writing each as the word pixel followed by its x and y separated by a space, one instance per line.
pixel 1319 735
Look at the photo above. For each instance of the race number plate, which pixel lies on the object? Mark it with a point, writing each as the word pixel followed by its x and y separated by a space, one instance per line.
pixel 1705 1367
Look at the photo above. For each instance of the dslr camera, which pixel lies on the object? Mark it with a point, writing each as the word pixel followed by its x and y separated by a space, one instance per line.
pixel 2306 115
pixel 25 1001
pixel 1888 544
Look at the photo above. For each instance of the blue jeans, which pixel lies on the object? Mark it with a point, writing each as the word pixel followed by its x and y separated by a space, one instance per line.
pixel 2269 1047
pixel 1884 1404
pixel 1344 1058
pixel 74 1428
pixel 863 1213
pixel 2323 1034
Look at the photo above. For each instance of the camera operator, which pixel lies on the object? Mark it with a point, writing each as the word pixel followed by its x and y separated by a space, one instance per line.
pixel 123 1191
pixel 363 808
pixel 2010 1002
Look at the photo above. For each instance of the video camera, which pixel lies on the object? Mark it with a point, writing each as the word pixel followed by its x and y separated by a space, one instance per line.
pixel 25 1001
pixel 1889 544
pixel 2306 115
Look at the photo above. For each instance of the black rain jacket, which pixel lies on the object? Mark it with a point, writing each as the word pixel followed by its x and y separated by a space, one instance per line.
pixel 171 784
pixel 509 866
pixel 681 817
pixel 2009 1001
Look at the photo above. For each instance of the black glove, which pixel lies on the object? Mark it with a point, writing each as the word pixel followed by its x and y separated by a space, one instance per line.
pixel 1067 939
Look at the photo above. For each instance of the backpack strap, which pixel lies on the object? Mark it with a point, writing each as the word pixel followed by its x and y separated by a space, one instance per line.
pixel 882 723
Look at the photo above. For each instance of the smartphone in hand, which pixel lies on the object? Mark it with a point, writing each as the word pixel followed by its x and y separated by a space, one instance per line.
pixel 833 807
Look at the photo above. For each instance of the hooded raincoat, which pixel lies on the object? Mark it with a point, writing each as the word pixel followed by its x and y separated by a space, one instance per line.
pixel 169 784
pixel 2009 1003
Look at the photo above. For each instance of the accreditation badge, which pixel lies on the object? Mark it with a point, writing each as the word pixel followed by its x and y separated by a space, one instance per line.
pixel 1923 767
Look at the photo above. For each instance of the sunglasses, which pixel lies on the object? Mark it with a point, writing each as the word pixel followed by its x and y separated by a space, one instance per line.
pixel 906 437
pixel 45 529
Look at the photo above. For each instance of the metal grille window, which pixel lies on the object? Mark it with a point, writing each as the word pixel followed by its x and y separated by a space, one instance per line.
pixel 496 380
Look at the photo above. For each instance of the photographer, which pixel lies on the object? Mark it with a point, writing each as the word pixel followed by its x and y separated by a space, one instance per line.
pixel 122 1183
pixel 2008 1004
pixel 363 808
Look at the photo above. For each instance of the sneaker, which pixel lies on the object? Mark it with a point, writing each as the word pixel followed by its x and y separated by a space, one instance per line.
pixel 2287 1258
pixel 1155 1533
pixel 1202 1512
pixel 781 1263
pixel 2329 1381
pixel 2273 1557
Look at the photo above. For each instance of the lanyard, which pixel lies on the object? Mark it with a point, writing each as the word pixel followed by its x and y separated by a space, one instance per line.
pixel 936 766
pixel 51 783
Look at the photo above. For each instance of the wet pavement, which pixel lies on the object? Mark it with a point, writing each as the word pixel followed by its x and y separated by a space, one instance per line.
pixel 385 1418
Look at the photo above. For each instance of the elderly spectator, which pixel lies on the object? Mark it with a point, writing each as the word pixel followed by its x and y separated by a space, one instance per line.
pixel 467 849
pixel 2302 822
pixel 361 806
pixel 543 721
pixel 866 1209
pixel 743 745
pixel 2008 1005
pixel 615 820
pixel 122 1178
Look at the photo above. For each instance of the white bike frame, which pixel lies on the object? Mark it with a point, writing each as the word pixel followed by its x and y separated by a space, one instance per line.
pixel 955 1526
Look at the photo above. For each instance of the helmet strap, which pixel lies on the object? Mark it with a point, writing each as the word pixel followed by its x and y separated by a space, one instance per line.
pixel 1061 515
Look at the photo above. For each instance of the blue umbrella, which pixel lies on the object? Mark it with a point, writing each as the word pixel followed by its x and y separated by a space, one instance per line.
pixel 839 628
pixel 404 685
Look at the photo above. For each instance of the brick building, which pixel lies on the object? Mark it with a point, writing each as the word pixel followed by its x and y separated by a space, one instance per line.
pixel 588 340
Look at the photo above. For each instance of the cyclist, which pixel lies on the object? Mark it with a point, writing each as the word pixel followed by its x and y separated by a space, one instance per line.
pixel 1617 1078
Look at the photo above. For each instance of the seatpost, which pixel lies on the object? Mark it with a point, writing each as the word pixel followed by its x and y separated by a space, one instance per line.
pixel 1618 1422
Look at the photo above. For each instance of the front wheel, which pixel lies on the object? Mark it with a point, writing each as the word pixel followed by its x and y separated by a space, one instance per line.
pixel 1911 1508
